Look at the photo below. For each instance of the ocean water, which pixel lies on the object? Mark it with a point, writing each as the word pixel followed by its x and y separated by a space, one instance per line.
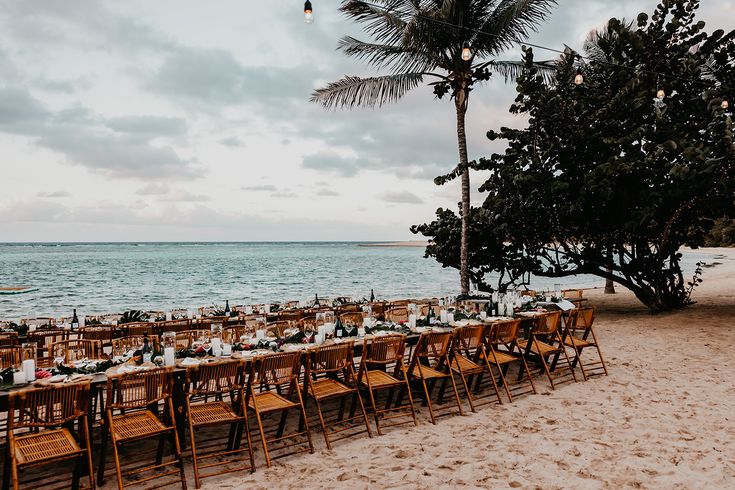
pixel 114 277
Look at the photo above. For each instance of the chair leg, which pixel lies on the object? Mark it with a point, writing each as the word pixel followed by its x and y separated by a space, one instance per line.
pixel 428 400
pixel 262 438
pixel 410 401
pixel 195 463
pixel 467 390
pixel 103 456
pixel 321 421
pixel 88 451
pixel 375 409
pixel 306 423
pixel 362 409
pixel 118 470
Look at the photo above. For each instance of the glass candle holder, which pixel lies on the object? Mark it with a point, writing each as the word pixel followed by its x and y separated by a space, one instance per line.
pixel 169 348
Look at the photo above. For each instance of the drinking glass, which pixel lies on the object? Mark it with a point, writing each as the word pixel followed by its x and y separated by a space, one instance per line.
pixel 328 317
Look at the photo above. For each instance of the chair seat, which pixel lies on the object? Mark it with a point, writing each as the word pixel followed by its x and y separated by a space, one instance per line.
pixel 427 372
pixel 211 413
pixel 328 387
pixel 538 347
pixel 380 379
pixel 269 401
pixel 467 366
pixel 501 358
pixel 577 342
pixel 49 444
pixel 137 425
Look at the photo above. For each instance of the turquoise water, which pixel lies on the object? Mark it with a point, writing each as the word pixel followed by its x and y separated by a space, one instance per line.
pixel 114 277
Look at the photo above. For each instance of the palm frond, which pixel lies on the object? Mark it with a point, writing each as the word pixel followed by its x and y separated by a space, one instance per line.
pixel 384 19
pixel 351 91
pixel 399 58
pixel 511 70
pixel 510 23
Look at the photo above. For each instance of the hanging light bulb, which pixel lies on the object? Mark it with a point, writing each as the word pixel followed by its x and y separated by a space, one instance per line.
pixel 660 94
pixel 725 104
pixel 466 52
pixel 308 12
pixel 578 78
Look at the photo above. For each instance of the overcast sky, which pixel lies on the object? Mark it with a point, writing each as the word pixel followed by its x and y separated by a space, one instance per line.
pixel 190 120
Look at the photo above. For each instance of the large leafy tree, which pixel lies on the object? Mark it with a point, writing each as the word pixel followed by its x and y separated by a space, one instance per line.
pixel 611 177
pixel 419 41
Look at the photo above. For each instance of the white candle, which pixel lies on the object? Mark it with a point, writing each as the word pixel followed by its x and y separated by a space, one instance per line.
pixel 190 314
pixel 29 369
pixel 483 315
pixel 260 334
pixel 81 320
pixel 318 338
pixel 360 331
pixel 227 349
pixel 443 318
pixel 450 317
pixel 367 322
pixel 168 356
pixel 267 308
pixel 147 357
pixel 412 321
pixel 19 377
pixel 169 316
pixel 248 310
pixel 216 347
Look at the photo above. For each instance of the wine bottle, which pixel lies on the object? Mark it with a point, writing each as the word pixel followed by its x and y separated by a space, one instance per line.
pixel 372 296
pixel 429 315
pixel 227 307
pixel 316 300
pixel 489 307
pixel 339 330
pixel 147 349
pixel 74 320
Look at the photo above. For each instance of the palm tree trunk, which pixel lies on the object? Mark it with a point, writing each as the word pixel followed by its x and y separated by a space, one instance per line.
pixel 461 106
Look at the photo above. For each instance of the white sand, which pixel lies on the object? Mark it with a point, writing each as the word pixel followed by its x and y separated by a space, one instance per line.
pixel 664 418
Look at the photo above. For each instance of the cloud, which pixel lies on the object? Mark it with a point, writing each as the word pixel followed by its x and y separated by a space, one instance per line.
pixel 327 193
pixel 331 162
pixel 54 194
pixel 232 142
pixel 286 194
pixel 260 188
pixel 153 189
pixel 183 196
pixel 86 139
pixel 148 126
pixel 401 197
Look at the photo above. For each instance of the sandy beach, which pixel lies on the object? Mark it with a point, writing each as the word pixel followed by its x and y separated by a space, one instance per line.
pixel 662 419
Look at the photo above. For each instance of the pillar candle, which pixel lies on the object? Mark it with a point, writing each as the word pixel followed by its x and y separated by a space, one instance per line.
pixel 29 369
pixel 168 356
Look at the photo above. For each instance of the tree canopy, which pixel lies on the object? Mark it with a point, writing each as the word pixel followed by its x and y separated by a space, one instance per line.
pixel 612 176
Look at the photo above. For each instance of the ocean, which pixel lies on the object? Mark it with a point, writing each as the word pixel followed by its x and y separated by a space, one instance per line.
pixel 99 278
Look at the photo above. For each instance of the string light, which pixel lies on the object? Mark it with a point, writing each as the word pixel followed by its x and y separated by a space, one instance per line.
pixel 308 12
pixel 466 52
pixel 725 104
pixel 578 78
pixel 660 94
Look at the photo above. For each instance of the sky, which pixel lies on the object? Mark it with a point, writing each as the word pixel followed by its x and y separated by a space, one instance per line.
pixel 183 120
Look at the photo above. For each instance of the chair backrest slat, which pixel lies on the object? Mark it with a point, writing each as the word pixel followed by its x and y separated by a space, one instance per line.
pixel 215 378
pixel 331 358
pixel 384 349
pixel 139 389
pixel 49 406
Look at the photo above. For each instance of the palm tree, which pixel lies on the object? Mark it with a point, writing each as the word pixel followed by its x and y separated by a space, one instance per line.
pixel 453 42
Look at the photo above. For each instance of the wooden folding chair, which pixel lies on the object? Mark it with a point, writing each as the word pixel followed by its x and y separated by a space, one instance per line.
pixel 330 375
pixel 396 314
pixel 273 381
pixel 8 339
pixel 382 368
pixel 277 328
pixel 139 407
pixel 579 335
pixel 223 382
pixel 74 350
pixel 44 339
pixel 468 359
pixel 503 351
pixel 430 364
pixel 10 356
pixel 545 341
pixel 40 432
pixel 103 334
pixel 186 338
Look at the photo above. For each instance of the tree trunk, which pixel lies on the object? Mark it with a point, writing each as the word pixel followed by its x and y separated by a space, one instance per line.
pixel 609 284
pixel 461 106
